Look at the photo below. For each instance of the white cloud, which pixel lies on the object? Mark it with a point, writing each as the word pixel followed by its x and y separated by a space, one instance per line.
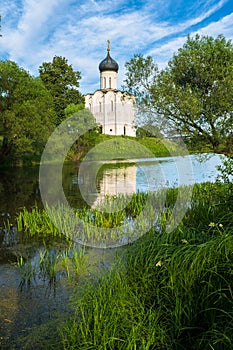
pixel 35 31
pixel 164 52
pixel 205 14
pixel 223 26
pixel 10 11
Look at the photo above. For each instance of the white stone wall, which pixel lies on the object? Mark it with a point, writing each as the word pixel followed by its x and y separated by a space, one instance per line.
pixel 114 111
pixel 108 80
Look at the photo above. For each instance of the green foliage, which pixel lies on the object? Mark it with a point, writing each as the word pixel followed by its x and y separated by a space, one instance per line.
pixel 62 82
pixel 32 107
pixel 73 108
pixel 37 223
pixel 141 73
pixel 83 119
pixel 27 113
pixel 226 170
pixel 194 93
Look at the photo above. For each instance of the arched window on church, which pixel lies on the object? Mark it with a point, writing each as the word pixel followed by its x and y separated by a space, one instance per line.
pixel 110 82
pixel 104 83
pixel 90 106
pixel 100 107
pixel 112 106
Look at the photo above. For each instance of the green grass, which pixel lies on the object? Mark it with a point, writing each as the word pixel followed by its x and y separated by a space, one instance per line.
pixel 37 223
pixel 170 291
pixel 161 147
pixel 119 147
pixel 114 221
pixel 168 297
pixel 51 264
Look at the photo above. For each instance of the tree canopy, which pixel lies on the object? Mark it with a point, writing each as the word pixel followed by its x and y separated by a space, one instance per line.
pixel 62 82
pixel 83 120
pixel 27 115
pixel 194 93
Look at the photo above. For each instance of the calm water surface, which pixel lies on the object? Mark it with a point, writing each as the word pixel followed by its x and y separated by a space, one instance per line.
pixel 20 187
pixel 24 311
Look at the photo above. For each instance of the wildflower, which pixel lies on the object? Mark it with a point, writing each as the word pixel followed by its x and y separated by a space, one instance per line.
pixel 184 241
pixel 220 225
pixel 211 224
pixel 159 263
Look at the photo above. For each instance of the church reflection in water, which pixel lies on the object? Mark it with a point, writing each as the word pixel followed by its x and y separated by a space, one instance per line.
pixel 97 180
pixel 118 181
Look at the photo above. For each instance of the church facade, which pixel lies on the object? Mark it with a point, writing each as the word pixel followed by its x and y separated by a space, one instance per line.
pixel 114 110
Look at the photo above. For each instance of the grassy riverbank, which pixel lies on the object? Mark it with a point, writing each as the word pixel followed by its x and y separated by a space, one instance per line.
pixel 106 147
pixel 167 291
pixel 170 291
pixel 122 147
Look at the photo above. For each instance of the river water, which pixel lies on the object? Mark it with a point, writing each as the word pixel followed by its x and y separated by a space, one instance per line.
pixel 20 187
pixel 23 311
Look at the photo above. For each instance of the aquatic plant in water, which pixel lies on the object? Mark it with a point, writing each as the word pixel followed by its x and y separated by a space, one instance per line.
pixel 51 264
pixel 114 221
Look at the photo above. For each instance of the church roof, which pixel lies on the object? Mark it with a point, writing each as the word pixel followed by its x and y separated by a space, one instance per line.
pixel 108 63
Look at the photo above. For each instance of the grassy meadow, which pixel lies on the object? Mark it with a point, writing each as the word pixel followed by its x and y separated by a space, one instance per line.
pixel 125 147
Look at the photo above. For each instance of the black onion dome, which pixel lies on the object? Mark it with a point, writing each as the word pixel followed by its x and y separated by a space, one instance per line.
pixel 108 64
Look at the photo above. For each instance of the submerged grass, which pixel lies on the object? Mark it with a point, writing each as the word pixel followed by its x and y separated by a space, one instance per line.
pixel 51 264
pixel 124 218
pixel 114 214
pixel 36 223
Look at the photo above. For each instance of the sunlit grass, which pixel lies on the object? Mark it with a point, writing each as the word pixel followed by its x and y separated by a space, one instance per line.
pixel 132 148
pixel 171 290
pixel 168 296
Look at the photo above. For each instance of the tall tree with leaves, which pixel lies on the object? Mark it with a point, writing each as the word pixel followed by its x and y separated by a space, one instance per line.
pixel 27 115
pixel 194 92
pixel 62 82
pixel 84 120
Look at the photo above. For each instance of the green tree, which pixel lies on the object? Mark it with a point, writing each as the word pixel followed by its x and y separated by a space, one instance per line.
pixel 194 92
pixel 27 115
pixel 83 119
pixel 141 74
pixel 62 82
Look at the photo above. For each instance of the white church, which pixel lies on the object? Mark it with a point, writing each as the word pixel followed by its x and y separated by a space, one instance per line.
pixel 114 110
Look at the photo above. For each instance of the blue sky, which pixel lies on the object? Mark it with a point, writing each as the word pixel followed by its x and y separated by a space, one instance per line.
pixel 34 31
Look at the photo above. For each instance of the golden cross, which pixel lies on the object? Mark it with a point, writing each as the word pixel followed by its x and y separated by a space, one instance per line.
pixel 108 49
